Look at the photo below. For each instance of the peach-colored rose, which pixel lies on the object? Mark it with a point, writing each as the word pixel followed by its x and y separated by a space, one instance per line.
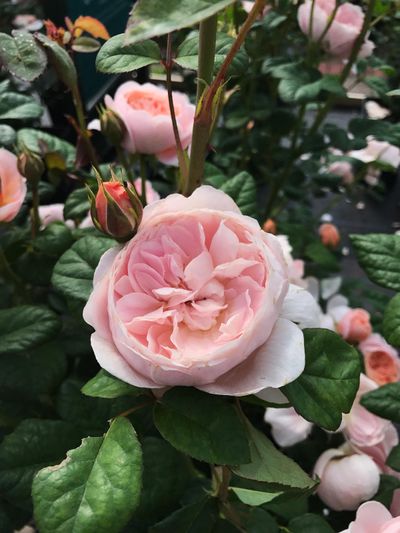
pixel 367 432
pixel 288 427
pixel 329 235
pixel 145 112
pixel 343 169
pixel 12 186
pixel 342 33
pixel 373 517
pixel 355 325
pixel 346 478
pixel 381 360
pixel 199 297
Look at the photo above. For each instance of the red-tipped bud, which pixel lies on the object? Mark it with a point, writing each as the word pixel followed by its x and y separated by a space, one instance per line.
pixel 116 209
pixel 329 235
pixel 112 126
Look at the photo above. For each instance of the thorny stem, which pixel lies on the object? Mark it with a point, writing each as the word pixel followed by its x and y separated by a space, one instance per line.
pixel 183 166
pixel 204 113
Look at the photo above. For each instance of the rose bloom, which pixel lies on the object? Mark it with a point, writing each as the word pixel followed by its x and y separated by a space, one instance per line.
pixel 367 432
pixel 145 112
pixel 329 235
pixel 12 186
pixel 378 151
pixel 373 517
pixel 343 169
pixel 288 427
pixel 342 33
pixel 381 360
pixel 199 297
pixel 355 325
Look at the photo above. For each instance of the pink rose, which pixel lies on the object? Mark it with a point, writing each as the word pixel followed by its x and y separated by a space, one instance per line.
pixel 12 186
pixel 199 297
pixel 53 213
pixel 373 517
pixel 288 428
pixel 346 480
pixel 367 432
pixel 145 112
pixel 342 33
pixel 343 169
pixel 355 326
pixel 333 66
pixel 381 361
pixel 295 266
pixel 151 194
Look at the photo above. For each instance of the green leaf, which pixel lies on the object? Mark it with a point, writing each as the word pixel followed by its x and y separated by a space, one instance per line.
pixel 391 321
pixel 41 142
pixel 384 401
pixel 254 497
pixel 7 135
pixel 85 45
pixel 330 380
pixel 260 521
pixel 379 255
pixel 199 517
pixel 386 489
pixel 33 445
pixel 73 273
pixel 318 253
pixel 95 489
pixel 200 425
pixel 115 56
pixel 309 523
pixel 242 188
pixel 60 59
pixel 380 129
pixel 21 56
pixel 188 54
pixel 25 326
pixel 18 107
pixel 151 18
pixel 104 385
pixel 393 459
pixel 77 205
pixel 271 466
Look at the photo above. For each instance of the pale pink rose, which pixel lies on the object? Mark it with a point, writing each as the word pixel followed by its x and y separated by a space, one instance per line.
pixel 295 266
pixel 151 194
pixel 288 427
pixel 145 112
pixel 343 169
pixel 373 517
pixel 355 325
pixel 378 151
pixel 199 297
pixel 381 360
pixel 367 432
pixel 333 67
pixel 53 213
pixel 346 479
pixel 344 30
pixel 12 186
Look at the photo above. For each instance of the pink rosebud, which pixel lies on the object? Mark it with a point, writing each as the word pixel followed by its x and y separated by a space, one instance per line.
pixel 346 480
pixel 288 428
pixel 199 297
pixel 329 235
pixel 12 186
pixel 373 517
pixel 339 39
pixel 381 360
pixel 355 325
pixel 145 111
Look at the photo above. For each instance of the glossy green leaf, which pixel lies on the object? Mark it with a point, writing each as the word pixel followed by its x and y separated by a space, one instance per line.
pixel 391 321
pixel 32 445
pixel 242 188
pixel 104 385
pixel 73 273
pixel 41 142
pixel 21 56
pixel 384 401
pixel 198 517
pixel 19 107
pixel 327 387
pixel 271 466
pixel 379 255
pixel 96 489
pixel 151 18
pixel 7 135
pixel 393 459
pixel 310 523
pixel 260 521
pixel 60 59
pixel 115 56
pixel 254 498
pixel 200 425
pixel 26 326
pixel 77 205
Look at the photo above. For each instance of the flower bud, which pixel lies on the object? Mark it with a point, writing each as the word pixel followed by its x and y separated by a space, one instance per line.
pixel 346 480
pixel 112 127
pixel 270 226
pixel 329 235
pixel 30 165
pixel 116 209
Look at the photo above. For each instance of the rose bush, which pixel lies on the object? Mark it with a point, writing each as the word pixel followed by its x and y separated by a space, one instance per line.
pixel 12 186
